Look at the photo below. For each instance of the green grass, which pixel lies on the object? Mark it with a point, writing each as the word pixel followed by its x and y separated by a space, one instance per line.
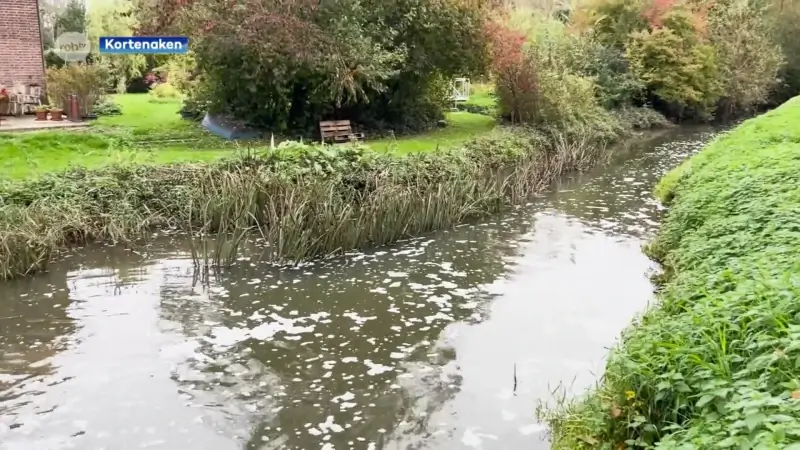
pixel 462 126
pixel 142 116
pixel 716 364
pixel 118 139
pixel 482 95
pixel 30 154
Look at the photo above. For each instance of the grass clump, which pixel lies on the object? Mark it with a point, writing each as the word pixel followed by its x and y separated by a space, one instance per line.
pixel 303 201
pixel 715 364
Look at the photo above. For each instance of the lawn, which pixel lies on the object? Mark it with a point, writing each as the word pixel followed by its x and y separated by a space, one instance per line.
pixel 119 139
pixel 142 116
pixel 461 126
pixel 482 95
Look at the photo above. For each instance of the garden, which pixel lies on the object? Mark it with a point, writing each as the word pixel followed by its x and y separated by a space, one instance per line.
pixel 144 129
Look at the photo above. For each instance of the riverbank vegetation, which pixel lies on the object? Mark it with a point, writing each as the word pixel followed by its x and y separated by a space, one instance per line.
pixel 301 201
pixel 714 364
pixel 567 82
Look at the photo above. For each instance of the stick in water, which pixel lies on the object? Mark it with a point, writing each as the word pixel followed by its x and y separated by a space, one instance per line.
pixel 515 379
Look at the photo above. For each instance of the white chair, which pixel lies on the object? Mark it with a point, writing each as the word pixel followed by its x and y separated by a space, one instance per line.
pixel 25 98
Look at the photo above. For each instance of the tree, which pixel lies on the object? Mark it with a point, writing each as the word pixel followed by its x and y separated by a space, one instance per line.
pixel 749 60
pixel 115 18
pixel 71 19
pixel 284 65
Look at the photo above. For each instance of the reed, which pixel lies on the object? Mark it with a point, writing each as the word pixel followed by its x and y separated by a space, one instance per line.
pixel 303 201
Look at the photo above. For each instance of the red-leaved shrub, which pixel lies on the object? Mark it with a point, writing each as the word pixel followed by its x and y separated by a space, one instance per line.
pixel 516 83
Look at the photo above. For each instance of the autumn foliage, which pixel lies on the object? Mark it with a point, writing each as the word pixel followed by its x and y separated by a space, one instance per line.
pixel 286 64
pixel 514 73
pixel 655 12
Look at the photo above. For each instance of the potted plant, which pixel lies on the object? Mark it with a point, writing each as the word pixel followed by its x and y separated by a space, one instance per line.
pixel 41 112
pixel 56 114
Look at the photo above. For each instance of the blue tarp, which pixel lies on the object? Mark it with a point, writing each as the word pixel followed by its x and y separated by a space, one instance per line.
pixel 228 129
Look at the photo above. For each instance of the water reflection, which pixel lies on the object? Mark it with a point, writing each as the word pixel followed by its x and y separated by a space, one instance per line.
pixel 415 346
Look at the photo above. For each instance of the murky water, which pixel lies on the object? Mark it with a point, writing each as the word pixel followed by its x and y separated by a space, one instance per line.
pixel 444 342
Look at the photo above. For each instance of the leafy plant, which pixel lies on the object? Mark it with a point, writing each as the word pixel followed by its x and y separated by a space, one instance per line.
pixel 86 81
pixel 678 70
pixel 516 83
pixel 164 91
pixel 306 201
pixel 714 364
pixel 749 60
pixel 106 107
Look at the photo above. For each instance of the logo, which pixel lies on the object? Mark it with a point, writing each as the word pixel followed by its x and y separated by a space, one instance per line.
pixel 73 46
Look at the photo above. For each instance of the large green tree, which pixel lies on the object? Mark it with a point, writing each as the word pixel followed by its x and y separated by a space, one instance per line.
pixel 284 65
pixel 71 19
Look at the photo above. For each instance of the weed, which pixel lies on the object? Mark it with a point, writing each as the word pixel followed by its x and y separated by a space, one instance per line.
pixel 714 365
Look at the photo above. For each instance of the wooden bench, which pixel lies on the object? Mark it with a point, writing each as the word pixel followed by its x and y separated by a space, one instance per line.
pixel 338 131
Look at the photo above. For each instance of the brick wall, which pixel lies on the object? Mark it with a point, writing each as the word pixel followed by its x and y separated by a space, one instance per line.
pixel 20 43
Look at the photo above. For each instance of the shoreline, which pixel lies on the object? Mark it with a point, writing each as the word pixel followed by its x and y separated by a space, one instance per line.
pixel 306 201
pixel 701 367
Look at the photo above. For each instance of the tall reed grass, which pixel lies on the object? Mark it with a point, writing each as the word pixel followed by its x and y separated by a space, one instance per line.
pixel 302 201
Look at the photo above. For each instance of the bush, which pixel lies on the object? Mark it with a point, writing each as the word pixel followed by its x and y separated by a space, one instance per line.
pixel 680 72
pixel 535 80
pixel 164 92
pixel 641 118
pixel 181 72
pixel 477 109
pixel 609 67
pixel 783 17
pixel 194 109
pixel 51 59
pixel 749 60
pixel 714 365
pixel 88 82
pixel 687 58
pixel 289 65
pixel 516 83
pixel 106 107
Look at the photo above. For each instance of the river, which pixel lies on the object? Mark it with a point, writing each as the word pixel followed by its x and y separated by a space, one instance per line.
pixel 442 342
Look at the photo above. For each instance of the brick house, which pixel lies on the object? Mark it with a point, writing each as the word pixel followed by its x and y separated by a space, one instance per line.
pixel 21 54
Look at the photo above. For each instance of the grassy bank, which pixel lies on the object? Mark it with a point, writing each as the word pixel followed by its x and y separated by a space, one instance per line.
pixel 304 201
pixel 715 364
pixel 150 132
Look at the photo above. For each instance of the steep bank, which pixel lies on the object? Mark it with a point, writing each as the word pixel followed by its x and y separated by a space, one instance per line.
pixel 714 364
pixel 303 201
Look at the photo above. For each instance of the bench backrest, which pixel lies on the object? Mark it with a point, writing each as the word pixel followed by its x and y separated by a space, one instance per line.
pixel 335 129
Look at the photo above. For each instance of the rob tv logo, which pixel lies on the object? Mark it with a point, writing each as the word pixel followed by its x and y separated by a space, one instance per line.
pixel 73 46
